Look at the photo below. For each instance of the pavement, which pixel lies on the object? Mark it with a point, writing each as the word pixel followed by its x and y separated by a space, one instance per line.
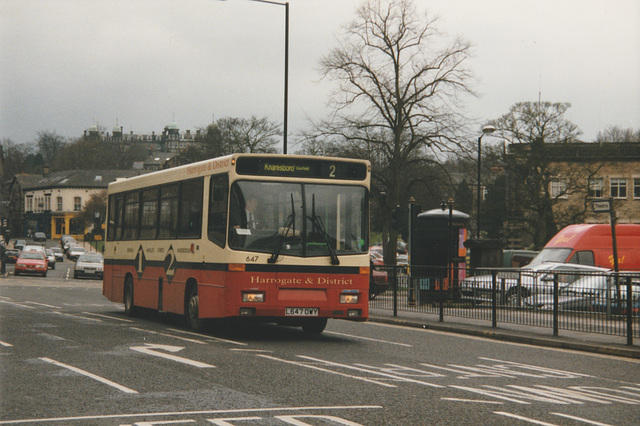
pixel 537 336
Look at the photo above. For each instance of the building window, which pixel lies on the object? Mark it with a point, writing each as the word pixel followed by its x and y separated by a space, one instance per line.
pixel 636 188
pixel 618 188
pixel 47 201
pixel 558 189
pixel 29 204
pixel 596 188
pixel 77 204
pixel 59 204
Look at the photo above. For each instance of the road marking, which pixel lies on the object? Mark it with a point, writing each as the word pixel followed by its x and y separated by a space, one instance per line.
pixel 252 350
pixel 17 304
pixel 502 342
pixel 200 342
pixel 472 400
pixel 369 338
pixel 580 419
pixel 5 344
pixel 188 413
pixel 313 367
pixel 525 419
pixel 43 304
pixel 552 371
pixel 76 316
pixel 90 375
pixel 107 317
pixel 153 350
pixel 294 419
pixel 218 339
pixel 379 373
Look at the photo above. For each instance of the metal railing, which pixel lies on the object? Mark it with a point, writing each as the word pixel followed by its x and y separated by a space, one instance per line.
pixel 576 300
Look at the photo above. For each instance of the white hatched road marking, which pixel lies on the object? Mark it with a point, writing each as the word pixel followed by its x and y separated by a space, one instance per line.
pixel 524 419
pixel 153 350
pixel 200 342
pixel 369 338
pixel 90 375
pixel 580 419
pixel 189 413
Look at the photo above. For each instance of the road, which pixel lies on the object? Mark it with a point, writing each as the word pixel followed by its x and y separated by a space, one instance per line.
pixel 69 356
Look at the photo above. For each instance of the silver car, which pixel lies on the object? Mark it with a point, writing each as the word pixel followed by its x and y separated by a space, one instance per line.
pixel 525 281
pixel 89 264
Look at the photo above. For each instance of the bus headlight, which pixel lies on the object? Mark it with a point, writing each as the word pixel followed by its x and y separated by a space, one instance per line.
pixel 349 297
pixel 252 297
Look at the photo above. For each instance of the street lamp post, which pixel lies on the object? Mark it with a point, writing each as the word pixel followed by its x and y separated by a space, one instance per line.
pixel 485 130
pixel 286 69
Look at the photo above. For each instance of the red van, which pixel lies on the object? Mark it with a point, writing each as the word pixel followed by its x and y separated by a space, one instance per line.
pixel 591 244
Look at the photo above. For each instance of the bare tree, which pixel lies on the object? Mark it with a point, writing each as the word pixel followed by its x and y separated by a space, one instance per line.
pixel 50 145
pixel 397 97
pixel 618 134
pixel 535 188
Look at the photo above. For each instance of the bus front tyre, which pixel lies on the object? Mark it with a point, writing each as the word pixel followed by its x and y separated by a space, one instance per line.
pixel 193 310
pixel 314 325
pixel 129 307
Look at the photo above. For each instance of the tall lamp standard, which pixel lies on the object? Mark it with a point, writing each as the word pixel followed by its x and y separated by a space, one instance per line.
pixel 286 68
pixel 485 131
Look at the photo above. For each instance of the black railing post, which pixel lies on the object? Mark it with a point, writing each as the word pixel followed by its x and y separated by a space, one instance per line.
pixel 394 283
pixel 629 312
pixel 556 295
pixel 441 295
pixel 494 301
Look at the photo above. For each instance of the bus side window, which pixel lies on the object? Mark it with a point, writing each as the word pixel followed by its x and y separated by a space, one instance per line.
pixel 190 219
pixel 219 194
pixel 584 257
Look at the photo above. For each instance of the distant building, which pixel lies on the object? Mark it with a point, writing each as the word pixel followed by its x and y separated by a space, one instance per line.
pixel 170 140
pixel 576 174
pixel 51 203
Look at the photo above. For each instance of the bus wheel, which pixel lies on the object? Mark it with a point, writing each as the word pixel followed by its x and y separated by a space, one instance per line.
pixel 129 307
pixel 314 325
pixel 192 313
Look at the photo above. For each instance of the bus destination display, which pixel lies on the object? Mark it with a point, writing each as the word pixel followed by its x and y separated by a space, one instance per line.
pixel 303 168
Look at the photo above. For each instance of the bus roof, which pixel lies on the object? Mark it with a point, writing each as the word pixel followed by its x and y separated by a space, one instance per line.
pixel 250 161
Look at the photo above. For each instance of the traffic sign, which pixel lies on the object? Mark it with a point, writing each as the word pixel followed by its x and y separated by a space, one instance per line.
pixel 601 206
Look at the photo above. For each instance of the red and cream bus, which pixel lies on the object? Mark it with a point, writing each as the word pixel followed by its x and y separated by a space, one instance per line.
pixel 275 238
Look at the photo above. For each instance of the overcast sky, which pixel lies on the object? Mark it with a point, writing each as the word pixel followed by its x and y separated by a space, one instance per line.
pixel 68 64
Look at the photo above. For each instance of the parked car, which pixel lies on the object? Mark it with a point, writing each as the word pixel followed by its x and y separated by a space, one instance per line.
pixel 89 264
pixel 74 252
pixel 527 281
pixel 59 254
pixel 35 247
pixel 12 255
pixel 591 293
pixel 66 240
pixel 51 259
pixel 19 244
pixel 32 262
pixel 378 283
pixel 39 237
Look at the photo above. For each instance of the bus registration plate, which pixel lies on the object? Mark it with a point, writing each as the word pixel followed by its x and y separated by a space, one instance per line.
pixel 301 312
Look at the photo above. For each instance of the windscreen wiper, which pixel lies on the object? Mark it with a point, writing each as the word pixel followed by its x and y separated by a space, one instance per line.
pixel 317 222
pixel 291 222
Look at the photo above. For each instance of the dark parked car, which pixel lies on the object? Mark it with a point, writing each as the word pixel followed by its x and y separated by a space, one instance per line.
pixel 12 255
pixel 39 237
